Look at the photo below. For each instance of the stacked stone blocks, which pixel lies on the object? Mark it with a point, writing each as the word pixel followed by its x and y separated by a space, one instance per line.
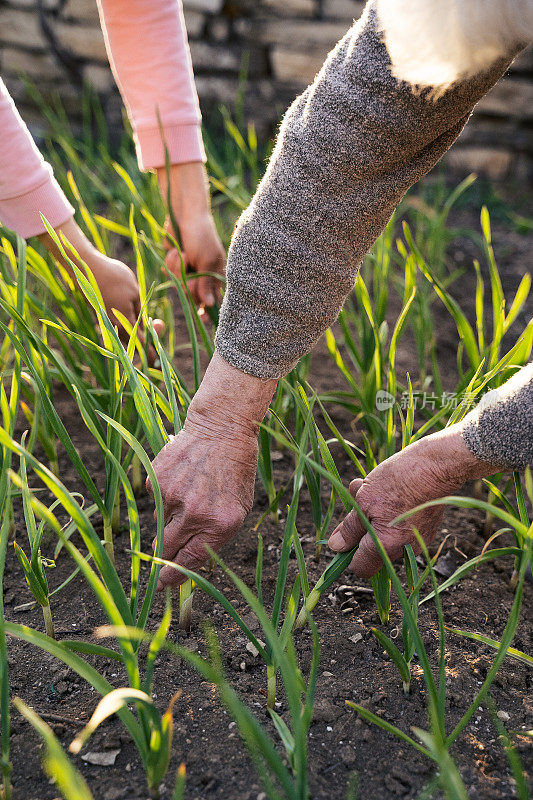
pixel 279 44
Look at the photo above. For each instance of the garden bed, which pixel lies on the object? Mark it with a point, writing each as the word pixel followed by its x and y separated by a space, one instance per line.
pixel 352 666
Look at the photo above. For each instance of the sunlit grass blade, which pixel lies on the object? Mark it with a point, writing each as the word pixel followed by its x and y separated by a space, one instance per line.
pixel 56 763
pixel 463 326
pixel 512 652
pixel 179 787
pixel 57 424
pixel 396 656
pixel 113 702
pixel 154 572
pixel 369 716
pixel 78 665
pixel 112 583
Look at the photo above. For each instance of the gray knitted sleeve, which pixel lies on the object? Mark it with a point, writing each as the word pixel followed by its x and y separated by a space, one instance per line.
pixel 348 149
pixel 500 429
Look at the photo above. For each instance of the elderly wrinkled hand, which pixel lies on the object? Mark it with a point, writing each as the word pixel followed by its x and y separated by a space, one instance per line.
pixel 207 472
pixel 431 468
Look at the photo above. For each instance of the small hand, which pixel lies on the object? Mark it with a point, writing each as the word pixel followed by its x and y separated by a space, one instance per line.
pixel 117 283
pixel 120 290
pixel 435 466
pixel 202 250
pixel 118 286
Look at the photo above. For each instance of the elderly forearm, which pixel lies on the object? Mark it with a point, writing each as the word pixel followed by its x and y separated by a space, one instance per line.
pixel 349 148
pixel 500 429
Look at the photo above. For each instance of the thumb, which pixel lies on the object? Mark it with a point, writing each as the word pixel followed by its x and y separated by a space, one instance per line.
pixel 348 534
pixel 355 485
pixel 159 326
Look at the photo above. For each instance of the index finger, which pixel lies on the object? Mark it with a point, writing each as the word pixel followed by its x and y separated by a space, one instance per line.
pixel 367 560
pixel 192 556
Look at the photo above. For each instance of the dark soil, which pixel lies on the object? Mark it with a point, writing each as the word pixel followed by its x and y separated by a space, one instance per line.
pixel 353 665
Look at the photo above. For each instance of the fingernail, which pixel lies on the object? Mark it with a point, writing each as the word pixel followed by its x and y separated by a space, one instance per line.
pixel 210 300
pixel 336 540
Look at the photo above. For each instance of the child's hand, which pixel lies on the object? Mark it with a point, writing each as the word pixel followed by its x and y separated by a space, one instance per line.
pixel 202 252
pixel 117 283
pixel 202 249
pixel 118 286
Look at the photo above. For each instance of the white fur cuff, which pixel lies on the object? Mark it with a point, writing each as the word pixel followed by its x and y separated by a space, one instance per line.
pixel 437 42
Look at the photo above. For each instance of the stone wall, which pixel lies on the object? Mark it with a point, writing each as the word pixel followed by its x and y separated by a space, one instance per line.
pixel 280 43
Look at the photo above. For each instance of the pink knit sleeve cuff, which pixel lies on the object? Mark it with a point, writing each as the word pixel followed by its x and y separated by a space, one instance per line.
pixel 23 213
pixel 183 142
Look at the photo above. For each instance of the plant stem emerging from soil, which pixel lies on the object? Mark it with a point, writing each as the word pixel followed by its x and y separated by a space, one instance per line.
pixel 108 539
pixel 186 599
pixel 271 685
pixel 310 602
pixel 136 475
pixel 48 624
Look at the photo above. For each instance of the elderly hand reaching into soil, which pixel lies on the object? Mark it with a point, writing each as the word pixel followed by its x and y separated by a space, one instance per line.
pixel 496 436
pixel 207 472
pixel 433 467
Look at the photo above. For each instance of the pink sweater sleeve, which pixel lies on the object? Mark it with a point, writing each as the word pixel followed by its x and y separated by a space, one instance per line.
pixel 27 185
pixel 147 45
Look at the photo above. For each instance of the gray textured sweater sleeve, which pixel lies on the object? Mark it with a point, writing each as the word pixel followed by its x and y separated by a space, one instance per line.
pixel 348 149
pixel 500 429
